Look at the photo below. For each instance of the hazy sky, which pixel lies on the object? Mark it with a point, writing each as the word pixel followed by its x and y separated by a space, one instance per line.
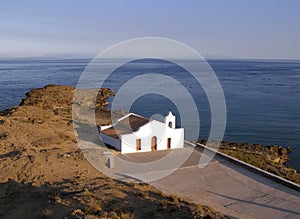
pixel 228 28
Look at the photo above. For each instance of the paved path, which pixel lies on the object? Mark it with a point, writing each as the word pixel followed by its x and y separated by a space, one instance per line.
pixel 226 187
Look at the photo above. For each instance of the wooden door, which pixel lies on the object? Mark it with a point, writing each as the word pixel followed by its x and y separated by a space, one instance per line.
pixel 154 143
pixel 138 144
pixel 169 143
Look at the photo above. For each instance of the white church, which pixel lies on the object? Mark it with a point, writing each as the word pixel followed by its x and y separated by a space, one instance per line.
pixel 134 133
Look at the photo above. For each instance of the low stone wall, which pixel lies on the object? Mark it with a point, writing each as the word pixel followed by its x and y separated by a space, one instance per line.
pixel 251 167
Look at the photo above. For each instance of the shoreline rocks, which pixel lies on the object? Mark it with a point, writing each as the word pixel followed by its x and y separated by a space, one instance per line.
pixel 271 158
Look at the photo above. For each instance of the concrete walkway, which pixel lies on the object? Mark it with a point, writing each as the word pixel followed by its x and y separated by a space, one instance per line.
pixel 226 187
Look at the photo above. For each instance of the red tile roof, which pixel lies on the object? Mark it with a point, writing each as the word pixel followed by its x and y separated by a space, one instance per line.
pixel 126 125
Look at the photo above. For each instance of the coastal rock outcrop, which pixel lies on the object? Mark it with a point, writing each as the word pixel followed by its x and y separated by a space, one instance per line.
pixel 58 96
pixel 271 158
pixel 49 97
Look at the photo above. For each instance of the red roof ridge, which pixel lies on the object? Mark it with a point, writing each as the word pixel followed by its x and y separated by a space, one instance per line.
pixel 133 124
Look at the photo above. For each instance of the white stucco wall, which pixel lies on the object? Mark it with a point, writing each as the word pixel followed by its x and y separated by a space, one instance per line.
pixel 146 132
pixel 105 127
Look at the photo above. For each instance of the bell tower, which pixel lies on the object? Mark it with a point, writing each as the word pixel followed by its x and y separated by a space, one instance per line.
pixel 170 120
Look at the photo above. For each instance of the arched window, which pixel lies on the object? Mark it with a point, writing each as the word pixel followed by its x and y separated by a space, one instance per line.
pixel 154 143
pixel 170 125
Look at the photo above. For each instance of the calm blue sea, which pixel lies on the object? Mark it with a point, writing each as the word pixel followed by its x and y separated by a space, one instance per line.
pixel 262 96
